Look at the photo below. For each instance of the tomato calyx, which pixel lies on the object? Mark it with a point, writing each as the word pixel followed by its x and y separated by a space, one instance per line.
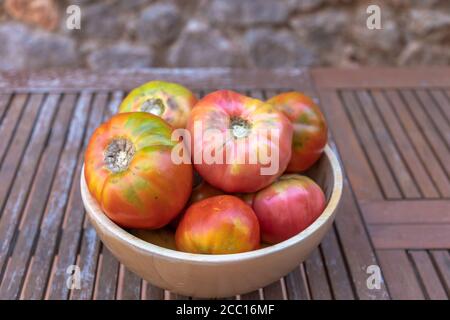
pixel 240 128
pixel 118 154
pixel 154 106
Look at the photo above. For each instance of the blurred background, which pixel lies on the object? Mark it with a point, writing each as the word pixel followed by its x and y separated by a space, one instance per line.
pixel 222 33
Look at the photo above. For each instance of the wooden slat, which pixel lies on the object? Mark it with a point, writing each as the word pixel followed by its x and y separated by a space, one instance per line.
pixel 35 287
pixel 356 246
pixel 152 292
pixel 296 284
pixel 411 236
pixel 369 144
pixel 435 114
pixel 430 279
pixel 442 101
pixel 274 291
pixel 415 211
pixel 422 147
pixel 338 274
pixel 73 223
pixel 354 160
pixel 22 183
pixel 9 124
pixel 441 260
pixel 13 275
pixel 13 156
pixel 404 146
pixel 399 275
pixel 129 287
pixel 441 150
pixel 387 146
pixel 317 277
pixel 382 77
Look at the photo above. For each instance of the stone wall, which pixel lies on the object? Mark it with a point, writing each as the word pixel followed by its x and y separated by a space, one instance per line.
pixel 222 33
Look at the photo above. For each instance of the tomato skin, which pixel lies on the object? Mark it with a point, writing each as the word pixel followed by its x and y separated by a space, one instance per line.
pixel 287 207
pixel 218 225
pixel 178 101
pixel 144 194
pixel 215 112
pixel 310 128
pixel 200 192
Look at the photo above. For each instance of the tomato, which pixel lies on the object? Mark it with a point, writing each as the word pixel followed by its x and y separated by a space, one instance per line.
pixel 218 225
pixel 310 128
pixel 200 192
pixel 129 171
pixel 170 101
pixel 239 144
pixel 246 197
pixel 287 207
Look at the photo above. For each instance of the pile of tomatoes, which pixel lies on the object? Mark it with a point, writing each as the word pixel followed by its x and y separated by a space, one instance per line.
pixel 239 204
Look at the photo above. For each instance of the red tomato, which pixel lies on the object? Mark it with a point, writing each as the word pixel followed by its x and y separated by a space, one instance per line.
pixel 129 171
pixel 245 130
pixel 200 192
pixel 310 128
pixel 218 225
pixel 170 101
pixel 287 207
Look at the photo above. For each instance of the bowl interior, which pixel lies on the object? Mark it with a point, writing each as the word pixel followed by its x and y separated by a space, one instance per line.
pixel 326 173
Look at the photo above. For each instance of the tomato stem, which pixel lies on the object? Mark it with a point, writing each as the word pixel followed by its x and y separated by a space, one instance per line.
pixel 118 154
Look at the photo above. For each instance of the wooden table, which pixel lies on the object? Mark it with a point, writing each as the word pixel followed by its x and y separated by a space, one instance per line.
pixel 392 130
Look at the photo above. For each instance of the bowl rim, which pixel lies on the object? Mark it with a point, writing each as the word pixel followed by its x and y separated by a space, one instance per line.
pixel 94 211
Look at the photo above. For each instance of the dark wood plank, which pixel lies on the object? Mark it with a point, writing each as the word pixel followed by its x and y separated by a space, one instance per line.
pixel 399 275
pixel 338 275
pixel 415 211
pixel 274 291
pixel 354 160
pixel 382 77
pixel 437 117
pixel 9 124
pixel 14 154
pixel 254 295
pixel 430 279
pixel 152 292
pixel 36 284
pixel 69 241
pixel 356 246
pixel 422 147
pixel 296 284
pixel 22 183
pixel 404 146
pixel 370 145
pixel 40 191
pixel 441 151
pixel 411 236
pixel 317 277
pixel 387 146
pixel 129 287
pixel 441 260
pixel 442 101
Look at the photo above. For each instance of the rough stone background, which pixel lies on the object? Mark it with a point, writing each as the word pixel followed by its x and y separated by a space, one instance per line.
pixel 222 33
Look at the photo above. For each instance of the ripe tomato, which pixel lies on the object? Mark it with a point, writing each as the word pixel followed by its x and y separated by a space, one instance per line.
pixel 310 128
pixel 128 170
pixel 287 207
pixel 239 144
pixel 200 192
pixel 218 225
pixel 170 101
